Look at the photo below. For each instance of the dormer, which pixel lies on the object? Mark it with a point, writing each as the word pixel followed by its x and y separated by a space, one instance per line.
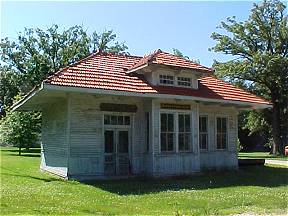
pixel 164 69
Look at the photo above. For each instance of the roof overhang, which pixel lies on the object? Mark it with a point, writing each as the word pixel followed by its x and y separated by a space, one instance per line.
pixel 47 93
pixel 151 64
pixel 38 98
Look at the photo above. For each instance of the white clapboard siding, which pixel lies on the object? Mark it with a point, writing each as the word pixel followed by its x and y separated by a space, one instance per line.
pixel 175 163
pixel 73 138
pixel 213 158
pixel 86 149
pixel 87 135
pixel 54 148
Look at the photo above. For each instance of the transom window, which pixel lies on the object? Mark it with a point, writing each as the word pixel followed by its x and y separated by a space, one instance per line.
pixel 167 132
pixel 221 132
pixel 184 81
pixel 166 79
pixel 116 120
pixel 203 132
pixel 184 133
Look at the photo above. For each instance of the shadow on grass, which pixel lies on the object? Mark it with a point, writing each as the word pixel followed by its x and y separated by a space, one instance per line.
pixel 18 174
pixel 263 157
pixel 31 150
pixel 51 179
pixel 262 176
pixel 25 155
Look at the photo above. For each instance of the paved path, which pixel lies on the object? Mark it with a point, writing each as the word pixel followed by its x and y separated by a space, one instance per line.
pixel 277 162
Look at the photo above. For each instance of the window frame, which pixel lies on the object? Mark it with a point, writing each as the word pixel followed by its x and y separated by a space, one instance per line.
pixel 166 75
pixel 176 114
pixel 174 133
pixel 205 133
pixel 107 126
pixel 185 132
pixel 182 81
pixel 227 133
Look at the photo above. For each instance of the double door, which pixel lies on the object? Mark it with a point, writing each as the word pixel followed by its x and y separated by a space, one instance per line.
pixel 117 160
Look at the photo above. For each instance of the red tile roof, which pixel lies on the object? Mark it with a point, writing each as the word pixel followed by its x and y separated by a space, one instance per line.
pixel 162 58
pixel 107 72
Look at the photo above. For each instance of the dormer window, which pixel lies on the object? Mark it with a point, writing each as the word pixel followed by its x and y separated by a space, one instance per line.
pixel 166 79
pixel 184 81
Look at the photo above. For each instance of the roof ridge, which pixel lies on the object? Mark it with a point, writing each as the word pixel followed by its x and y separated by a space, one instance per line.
pixel 189 60
pixel 119 54
pixel 152 54
pixel 91 55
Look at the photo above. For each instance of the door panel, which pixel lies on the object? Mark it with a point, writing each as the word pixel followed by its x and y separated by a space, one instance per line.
pixel 117 160
pixel 110 156
pixel 109 141
pixel 123 141
pixel 123 152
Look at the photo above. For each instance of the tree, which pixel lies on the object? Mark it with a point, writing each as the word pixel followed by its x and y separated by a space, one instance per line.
pixel 20 129
pixel 37 53
pixel 260 46
pixel 177 52
pixel 8 88
pixel 34 56
pixel 102 42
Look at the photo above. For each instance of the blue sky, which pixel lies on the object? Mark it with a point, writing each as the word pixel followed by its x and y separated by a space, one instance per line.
pixel 144 26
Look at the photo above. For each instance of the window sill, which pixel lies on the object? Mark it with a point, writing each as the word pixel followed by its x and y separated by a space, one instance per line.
pixel 204 150
pixel 175 153
pixel 221 150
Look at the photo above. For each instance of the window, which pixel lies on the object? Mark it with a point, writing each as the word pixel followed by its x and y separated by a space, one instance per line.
pixel 167 132
pixel 184 133
pixel 203 132
pixel 147 130
pixel 116 120
pixel 166 79
pixel 109 141
pixel 123 142
pixel 184 81
pixel 221 133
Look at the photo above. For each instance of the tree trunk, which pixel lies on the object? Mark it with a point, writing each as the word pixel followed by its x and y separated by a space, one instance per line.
pixel 19 152
pixel 278 144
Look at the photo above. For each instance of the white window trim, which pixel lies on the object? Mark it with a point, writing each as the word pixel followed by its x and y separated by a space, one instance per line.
pixel 166 84
pixel 130 129
pixel 227 134
pixel 175 81
pixel 208 143
pixel 105 126
pixel 191 143
pixel 176 130
pixel 183 86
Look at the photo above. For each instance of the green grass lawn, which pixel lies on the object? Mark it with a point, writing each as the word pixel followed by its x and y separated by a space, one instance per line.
pixel 261 155
pixel 25 190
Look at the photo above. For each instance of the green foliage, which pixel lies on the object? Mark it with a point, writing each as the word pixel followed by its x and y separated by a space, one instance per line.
pixel 20 129
pixel 239 146
pixel 251 190
pixel 34 56
pixel 102 42
pixel 38 53
pixel 177 52
pixel 259 46
pixel 8 87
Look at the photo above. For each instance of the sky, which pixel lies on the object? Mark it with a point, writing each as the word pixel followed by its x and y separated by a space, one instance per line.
pixel 144 26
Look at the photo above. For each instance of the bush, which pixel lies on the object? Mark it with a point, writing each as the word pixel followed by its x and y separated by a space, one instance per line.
pixel 20 129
